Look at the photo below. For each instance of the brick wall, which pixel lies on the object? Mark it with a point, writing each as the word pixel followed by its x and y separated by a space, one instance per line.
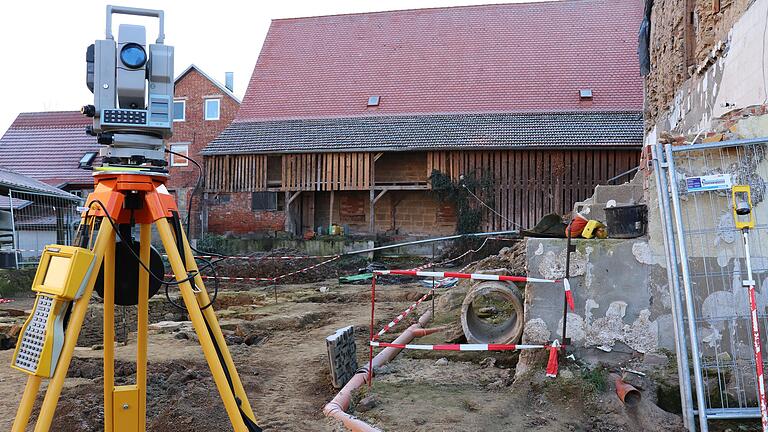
pixel 231 214
pixel 194 88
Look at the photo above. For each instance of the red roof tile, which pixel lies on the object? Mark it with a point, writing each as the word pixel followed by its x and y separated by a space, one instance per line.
pixel 523 57
pixel 47 146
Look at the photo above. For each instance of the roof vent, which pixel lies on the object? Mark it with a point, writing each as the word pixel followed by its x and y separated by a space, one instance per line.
pixel 585 94
pixel 373 101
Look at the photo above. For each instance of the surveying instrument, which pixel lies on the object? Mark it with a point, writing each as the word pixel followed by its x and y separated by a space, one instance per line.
pixel 132 83
pixel 744 219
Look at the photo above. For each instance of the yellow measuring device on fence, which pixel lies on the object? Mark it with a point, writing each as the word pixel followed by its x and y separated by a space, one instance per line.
pixel 60 278
pixel 741 196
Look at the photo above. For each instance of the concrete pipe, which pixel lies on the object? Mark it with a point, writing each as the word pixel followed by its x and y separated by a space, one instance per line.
pixel 492 312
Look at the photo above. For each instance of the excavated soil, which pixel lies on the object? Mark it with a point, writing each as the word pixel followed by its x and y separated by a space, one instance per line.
pixel 280 353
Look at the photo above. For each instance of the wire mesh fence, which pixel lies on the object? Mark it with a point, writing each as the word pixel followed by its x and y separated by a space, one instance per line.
pixel 29 221
pixel 711 269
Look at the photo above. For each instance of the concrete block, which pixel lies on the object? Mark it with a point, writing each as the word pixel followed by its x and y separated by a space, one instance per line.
pixel 342 355
pixel 620 294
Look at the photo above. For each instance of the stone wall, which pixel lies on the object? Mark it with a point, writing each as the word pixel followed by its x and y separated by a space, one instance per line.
pixel 686 92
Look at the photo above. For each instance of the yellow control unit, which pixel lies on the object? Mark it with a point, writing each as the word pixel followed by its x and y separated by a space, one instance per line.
pixel 741 196
pixel 60 278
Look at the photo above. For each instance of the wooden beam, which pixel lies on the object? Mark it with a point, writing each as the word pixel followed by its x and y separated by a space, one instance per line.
pixel 379 195
pixel 330 213
pixel 372 212
pixel 290 197
pixel 288 218
pixel 377 156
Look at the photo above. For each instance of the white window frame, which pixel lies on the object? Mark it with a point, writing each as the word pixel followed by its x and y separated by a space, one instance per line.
pixel 183 112
pixel 205 108
pixel 181 162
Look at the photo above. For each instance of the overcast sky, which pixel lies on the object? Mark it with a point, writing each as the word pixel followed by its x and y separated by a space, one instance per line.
pixel 44 42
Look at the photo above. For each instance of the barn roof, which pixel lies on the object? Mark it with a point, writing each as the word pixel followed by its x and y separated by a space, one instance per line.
pixel 505 58
pixel 428 132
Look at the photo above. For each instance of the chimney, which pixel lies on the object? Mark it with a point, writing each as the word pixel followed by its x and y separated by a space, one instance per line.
pixel 229 80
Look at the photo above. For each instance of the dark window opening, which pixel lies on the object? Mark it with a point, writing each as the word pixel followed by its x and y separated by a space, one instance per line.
pixel 269 201
pixel 274 171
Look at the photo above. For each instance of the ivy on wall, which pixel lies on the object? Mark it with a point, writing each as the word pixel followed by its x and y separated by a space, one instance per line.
pixel 469 212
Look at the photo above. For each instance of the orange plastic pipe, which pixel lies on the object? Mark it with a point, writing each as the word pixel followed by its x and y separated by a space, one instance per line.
pixel 338 406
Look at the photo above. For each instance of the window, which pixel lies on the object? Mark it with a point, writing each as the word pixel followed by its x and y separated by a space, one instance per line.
pixel 180 149
pixel 212 109
pixel 179 110
pixel 373 101
pixel 266 201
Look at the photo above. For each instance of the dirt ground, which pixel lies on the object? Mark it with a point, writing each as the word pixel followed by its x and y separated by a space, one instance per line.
pixel 280 353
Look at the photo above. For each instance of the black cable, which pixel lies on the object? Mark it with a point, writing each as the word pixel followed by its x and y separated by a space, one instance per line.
pixel 138 259
pixel 197 183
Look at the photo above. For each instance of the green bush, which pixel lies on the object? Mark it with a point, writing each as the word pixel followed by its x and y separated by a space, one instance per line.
pixel 212 243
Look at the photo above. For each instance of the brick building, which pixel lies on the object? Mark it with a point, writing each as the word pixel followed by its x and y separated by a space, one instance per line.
pixel 203 108
pixel 47 146
pixel 346 116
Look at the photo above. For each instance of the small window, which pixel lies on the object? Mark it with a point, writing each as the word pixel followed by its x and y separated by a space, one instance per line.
pixel 585 93
pixel 179 110
pixel 265 201
pixel 373 101
pixel 182 149
pixel 212 109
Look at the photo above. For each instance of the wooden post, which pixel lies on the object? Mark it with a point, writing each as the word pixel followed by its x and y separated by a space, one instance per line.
pixel 330 215
pixel 288 217
pixel 372 211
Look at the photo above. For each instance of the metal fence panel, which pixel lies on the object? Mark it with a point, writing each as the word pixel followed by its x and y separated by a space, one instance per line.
pixel 38 220
pixel 710 262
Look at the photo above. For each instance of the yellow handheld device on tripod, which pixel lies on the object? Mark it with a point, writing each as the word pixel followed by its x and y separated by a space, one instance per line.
pixel 60 278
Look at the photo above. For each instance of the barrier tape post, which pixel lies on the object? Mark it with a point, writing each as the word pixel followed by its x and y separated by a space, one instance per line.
pixel 370 348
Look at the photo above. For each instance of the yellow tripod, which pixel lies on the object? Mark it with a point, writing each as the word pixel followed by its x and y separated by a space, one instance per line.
pixel 119 198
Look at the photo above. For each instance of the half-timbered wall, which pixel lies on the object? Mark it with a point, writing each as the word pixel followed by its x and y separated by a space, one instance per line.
pixel 529 184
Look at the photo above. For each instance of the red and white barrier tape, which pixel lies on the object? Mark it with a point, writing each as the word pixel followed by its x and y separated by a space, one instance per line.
pixel 458 347
pixel 263 279
pixel 262 258
pixel 474 276
pixel 552 363
pixel 404 314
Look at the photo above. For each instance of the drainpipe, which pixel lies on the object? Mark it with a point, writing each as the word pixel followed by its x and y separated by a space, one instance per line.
pixel 337 407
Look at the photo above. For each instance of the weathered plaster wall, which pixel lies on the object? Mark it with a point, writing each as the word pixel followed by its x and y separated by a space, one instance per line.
pixel 620 293
pixel 727 72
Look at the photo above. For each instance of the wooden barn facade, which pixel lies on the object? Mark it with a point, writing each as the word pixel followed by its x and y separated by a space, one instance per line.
pixel 346 117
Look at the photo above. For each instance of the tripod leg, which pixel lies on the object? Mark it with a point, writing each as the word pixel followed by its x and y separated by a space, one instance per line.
pixel 109 333
pixel 105 236
pixel 145 240
pixel 213 324
pixel 198 321
pixel 27 402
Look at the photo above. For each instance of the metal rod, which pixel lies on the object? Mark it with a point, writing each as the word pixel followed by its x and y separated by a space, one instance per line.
pixel 715 145
pixel 688 290
pixel 13 231
pixel 567 277
pixel 430 240
pixel 756 344
pixel 670 252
